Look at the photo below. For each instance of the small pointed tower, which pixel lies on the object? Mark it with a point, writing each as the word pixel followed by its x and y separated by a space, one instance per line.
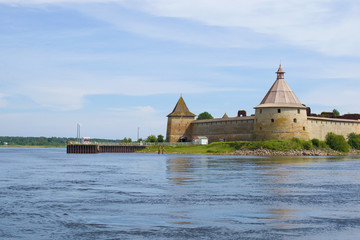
pixel 178 122
pixel 280 115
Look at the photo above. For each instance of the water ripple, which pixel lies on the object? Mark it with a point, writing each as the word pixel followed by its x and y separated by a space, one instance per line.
pixel 47 194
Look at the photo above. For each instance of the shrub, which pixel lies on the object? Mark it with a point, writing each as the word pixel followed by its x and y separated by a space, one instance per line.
pixel 301 144
pixel 315 142
pixel 337 142
pixel 354 140
pixel 318 144
pixel 307 145
pixel 323 145
pixel 296 140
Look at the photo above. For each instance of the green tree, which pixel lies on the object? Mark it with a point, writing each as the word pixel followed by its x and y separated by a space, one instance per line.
pixel 160 138
pixel 126 140
pixel 204 115
pixel 337 142
pixel 151 138
pixel 336 112
pixel 354 140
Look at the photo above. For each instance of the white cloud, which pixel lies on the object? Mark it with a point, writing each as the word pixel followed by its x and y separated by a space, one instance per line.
pixel 168 29
pixel 69 94
pixel 327 26
pixel 48 79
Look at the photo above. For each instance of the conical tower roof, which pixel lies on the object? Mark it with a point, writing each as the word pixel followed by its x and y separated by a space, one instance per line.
pixel 280 94
pixel 225 116
pixel 181 110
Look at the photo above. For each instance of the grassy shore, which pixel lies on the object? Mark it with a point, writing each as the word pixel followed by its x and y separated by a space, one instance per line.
pixel 292 147
pixel 229 147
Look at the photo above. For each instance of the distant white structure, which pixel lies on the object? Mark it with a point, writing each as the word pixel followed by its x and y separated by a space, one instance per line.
pixel 200 140
pixel 85 140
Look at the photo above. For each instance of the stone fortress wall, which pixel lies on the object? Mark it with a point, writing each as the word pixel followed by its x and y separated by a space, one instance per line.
pixel 228 129
pixel 242 129
pixel 279 116
pixel 319 127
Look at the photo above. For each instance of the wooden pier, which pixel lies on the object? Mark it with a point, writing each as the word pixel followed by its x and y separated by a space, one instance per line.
pixel 102 148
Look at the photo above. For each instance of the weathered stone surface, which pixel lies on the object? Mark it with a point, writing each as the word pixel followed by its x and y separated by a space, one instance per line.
pixel 230 129
pixel 280 123
pixel 178 127
pixel 319 127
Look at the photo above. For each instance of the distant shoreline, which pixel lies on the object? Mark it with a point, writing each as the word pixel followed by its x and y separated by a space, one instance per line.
pixel 27 146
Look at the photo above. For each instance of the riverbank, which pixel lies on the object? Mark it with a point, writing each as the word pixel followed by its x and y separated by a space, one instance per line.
pixel 261 148
pixel 299 152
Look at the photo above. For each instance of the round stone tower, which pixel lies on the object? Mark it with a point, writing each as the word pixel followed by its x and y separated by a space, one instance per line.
pixel 280 115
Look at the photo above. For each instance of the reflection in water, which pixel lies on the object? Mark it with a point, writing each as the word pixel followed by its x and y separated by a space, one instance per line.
pixel 181 169
pixel 283 216
pixel 181 223
pixel 280 178
pixel 178 168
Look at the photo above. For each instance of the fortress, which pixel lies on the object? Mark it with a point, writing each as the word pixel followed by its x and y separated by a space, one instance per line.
pixel 279 116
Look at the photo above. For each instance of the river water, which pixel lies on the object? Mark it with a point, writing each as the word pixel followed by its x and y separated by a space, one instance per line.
pixel 48 194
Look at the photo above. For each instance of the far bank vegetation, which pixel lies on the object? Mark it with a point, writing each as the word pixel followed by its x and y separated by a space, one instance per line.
pixel 333 142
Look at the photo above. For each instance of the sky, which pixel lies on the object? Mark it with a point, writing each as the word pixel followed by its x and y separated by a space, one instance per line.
pixel 118 65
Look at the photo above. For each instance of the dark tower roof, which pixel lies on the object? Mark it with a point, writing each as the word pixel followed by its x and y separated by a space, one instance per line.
pixel 280 94
pixel 181 110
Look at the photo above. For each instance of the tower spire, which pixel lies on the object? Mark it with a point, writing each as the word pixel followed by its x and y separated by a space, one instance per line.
pixel 280 73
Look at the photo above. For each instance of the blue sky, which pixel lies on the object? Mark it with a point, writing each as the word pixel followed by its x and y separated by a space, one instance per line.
pixel 116 65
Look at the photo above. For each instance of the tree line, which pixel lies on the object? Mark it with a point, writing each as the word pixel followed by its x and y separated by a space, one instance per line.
pixel 35 141
pixel 62 141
